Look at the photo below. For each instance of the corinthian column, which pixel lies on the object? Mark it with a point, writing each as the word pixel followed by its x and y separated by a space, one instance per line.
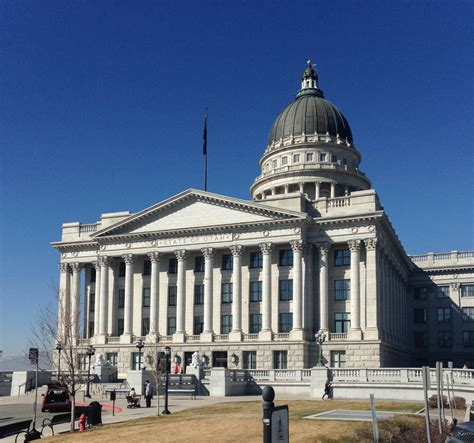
pixel 126 337
pixel 354 246
pixel 154 291
pixel 323 288
pixel 372 332
pixel 207 333
pixel 64 303
pixel 266 332
pixel 75 301
pixel 297 331
pixel 181 295
pixel 104 262
pixel 236 333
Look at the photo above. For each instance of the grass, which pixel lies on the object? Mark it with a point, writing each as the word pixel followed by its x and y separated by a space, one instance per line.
pixel 235 422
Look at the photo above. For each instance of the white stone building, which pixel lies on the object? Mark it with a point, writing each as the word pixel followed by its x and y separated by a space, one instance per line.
pixel 248 283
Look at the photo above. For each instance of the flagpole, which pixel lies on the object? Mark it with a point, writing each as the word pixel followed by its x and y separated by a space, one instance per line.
pixel 205 150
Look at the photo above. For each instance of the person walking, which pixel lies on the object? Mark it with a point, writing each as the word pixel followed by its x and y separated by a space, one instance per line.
pixel 148 393
pixel 327 389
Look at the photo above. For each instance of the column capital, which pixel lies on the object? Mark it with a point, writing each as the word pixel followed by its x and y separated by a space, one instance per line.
pixel 354 245
pixel 181 254
pixel 128 259
pixel 154 257
pixel 64 267
pixel 236 250
pixel 324 248
pixel 76 266
pixel 455 286
pixel 370 244
pixel 207 252
pixel 104 260
pixel 96 265
pixel 297 245
pixel 266 248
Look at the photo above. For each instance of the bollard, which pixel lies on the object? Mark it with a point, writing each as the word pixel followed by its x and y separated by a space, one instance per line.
pixel 82 423
pixel 268 395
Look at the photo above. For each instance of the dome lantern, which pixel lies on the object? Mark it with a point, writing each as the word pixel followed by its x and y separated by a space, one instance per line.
pixel 309 79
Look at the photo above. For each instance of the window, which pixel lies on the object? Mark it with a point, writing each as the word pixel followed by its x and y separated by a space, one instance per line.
pixel 199 263
pixel 145 326
pixel 274 164
pixel 121 269
pixel 284 161
pixel 342 257
pixel 198 324
pixel 226 292
pixel 285 290
pixel 146 267
pixel 171 325
pixel 198 294
pixel 467 290
pixel 467 314
pixel 91 329
pixel 322 156
pixel 92 302
pixel 420 315
pixel 286 258
pixel 255 291
pixel 255 323
pixel 172 291
pixel 136 363
pixel 121 298
pixel 146 297
pixel 442 291
pixel 285 322
pixel 120 326
pixel 93 275
pixel 342 289
pixel 172 266
pixel 444 315
pixel 226 324
pixel 227 262
pixel 344 161
pixel 256 260
pixel 334 158
pixel 112 358
pixel 338 359
pixel 444 339
pixel 309 157
pixel 420 339
pixel 342 322
pixel 468 339
pixel 280 359
pixel 419 293
pixel 296 158
pixel 250 359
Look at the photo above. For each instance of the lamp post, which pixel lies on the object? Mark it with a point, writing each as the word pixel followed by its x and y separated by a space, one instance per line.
pixel 89 352
pixel 140 345
pixel 320 337
pixel 167 351
pixel 59 348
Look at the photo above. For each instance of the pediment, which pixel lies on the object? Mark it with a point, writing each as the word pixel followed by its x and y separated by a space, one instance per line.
pixel 195 210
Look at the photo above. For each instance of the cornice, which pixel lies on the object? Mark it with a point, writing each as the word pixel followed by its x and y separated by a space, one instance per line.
pixel 348 219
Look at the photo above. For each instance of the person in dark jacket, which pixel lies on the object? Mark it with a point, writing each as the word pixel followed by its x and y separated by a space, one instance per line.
pixel 148 393
pixel 327 389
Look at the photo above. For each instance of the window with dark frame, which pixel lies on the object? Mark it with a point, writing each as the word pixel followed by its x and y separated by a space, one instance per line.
pixel 121 298
pixel 198 294
pixel 444 339
pixel 342 257
pixel 468 339
pixel 172 266
pixel 342 290
pixel 198 326
pixel 226 324
pixel 255 291
pixel 467 290
pixel 256 260
pixel 227 262
pixel 255 325
pixel 285 321
pixel 172 291
pixel 342 322
pixel 120 326
pixel 250 359
pixel 442 291
pixel 444 315
pixel 285 257
pixel 419 293
pixel 280 359
pixel 226 293
pixel 112 358
pixel 199 263
pixel 121 269
pixel 93 275
pixel 171 325
pixel 146 297
pixel 420 315
pixel 146 267
pixel 145 326
pixel 92 302
pixel 338 359
pixel 285 290
pixel 468 314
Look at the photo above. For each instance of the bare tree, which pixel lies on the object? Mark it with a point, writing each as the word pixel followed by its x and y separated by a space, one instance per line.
pixel 155 361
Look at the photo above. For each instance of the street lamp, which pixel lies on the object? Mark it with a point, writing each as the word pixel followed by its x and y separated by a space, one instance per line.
pixel 167 351
pixel 59 348
pixel 140 345
pixel 320 337
pixel 89 352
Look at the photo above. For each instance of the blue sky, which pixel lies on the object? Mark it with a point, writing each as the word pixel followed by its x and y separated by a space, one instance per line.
pixel 102 110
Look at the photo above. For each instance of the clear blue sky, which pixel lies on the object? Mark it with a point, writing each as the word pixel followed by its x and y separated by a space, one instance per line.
pixel 102 110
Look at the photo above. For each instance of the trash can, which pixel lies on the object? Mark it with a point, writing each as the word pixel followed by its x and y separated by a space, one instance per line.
pixel 94 417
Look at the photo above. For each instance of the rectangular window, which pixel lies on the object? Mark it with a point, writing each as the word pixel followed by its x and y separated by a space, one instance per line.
pixel 322 156
pixel 274 164
pixel 444 339
pixel 226 324
pixel 171 325
pixel 227 262
pixel 421 339
pixel 112 358
pixel 468 339
pixel 342 289
pixel 145 326
pixel 285 322
pixel 226 292
pixel 93 275
pixel 280 359
pixel 146 267
pixel 172 291
pixel 255 291
pixel 136 361
pixel 468 314
pixel 338 359
pixel 286 258
pixel 92 302
pixel 467 290
pixel 296 158
pixel 121 269
pixel 256 260
pixel 255 323
pixel 420 315
pixel 121 298
pixel 342 322
pixel 342 257
pixel 444 315
pixel 334 158
pixel 199 263
pixel 344 161
pixel 309 157
pixel 419 293
pixel 120 326
pixel 172 266
pixel 250 359
pixel 442 291
pixel 91 329
pixel 146 297
pixel 198 294
pixel 198 324
pixel 284 161
pixel 285 290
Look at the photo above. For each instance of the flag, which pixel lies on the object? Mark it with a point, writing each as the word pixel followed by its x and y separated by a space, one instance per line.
pixel 204 147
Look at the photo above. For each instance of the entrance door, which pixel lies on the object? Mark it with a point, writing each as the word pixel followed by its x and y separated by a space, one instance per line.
pixel 188 357
pixel 219 359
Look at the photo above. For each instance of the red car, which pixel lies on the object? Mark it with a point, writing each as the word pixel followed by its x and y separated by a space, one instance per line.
pixel 56 399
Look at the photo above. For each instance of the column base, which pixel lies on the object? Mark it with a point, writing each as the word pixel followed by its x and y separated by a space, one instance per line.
pixel 265 335
pixel 372 334
pixel 296 334
pixel 235 336
pixel 179 336
pixel 126 338
pixel 100 339
pixel 207 336
pixel 355 334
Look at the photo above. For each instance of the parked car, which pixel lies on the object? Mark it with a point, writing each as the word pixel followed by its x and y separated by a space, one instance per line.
pixel 56 399
pixel 462 433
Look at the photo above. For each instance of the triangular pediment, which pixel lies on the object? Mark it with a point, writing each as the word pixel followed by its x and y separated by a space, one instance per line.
pixel 195 210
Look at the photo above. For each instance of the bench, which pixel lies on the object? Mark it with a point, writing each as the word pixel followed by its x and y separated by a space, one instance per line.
pixel 120 391
pixel 17 428
pixel 182 384
pixel 63 418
